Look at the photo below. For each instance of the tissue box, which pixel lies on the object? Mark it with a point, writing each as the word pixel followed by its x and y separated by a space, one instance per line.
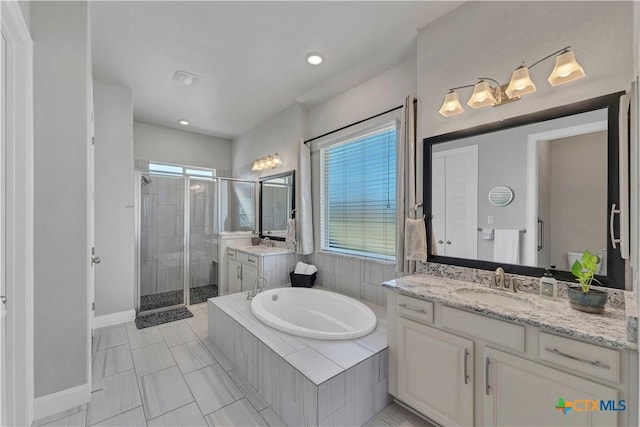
pixel 302 280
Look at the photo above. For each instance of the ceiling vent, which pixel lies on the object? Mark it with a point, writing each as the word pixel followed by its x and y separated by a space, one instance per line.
pixel 186 78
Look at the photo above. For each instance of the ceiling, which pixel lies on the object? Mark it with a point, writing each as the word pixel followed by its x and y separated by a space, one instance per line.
pixel 251 55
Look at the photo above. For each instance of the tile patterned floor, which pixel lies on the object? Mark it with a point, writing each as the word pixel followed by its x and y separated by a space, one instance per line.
pixel 168 375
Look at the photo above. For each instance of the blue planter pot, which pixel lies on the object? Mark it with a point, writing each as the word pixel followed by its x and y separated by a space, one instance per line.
pixel 592 302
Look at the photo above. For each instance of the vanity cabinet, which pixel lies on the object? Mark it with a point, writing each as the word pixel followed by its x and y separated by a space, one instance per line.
pixel 435 371
pixel 458 367
pixel 246 265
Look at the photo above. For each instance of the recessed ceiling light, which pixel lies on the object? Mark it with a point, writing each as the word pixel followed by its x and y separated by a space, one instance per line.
pixel 184 122
pixel 186 77
pixel 315 58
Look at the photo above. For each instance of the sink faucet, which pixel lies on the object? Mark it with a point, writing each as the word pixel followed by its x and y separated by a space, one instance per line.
pixel 257 288
pixel 267 241
pixel 498 281
pixel 499 277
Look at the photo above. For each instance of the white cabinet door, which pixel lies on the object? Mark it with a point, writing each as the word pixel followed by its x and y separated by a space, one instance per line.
pixel 235 276
pixel 518 392
pixel 435 373
pixel 249 275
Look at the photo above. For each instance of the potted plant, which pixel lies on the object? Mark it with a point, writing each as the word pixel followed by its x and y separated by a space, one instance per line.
pixel 582 297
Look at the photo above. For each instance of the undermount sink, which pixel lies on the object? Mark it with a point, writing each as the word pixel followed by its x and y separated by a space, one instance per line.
pixel 489 297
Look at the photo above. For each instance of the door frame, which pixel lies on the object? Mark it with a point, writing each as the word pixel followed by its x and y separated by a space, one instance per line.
pixel 19 196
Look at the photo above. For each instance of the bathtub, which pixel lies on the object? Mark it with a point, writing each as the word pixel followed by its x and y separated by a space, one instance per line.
pixel 313 313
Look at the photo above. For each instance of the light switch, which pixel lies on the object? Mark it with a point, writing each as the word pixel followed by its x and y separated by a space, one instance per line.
pixel 490 219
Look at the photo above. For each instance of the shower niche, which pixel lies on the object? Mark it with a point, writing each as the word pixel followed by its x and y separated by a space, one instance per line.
pixel 178 208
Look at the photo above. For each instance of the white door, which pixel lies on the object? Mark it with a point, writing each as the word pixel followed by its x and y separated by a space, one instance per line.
pixel 518 392
pixel 435 373
pixel 3 284
pixel 438 201
pixel 457 178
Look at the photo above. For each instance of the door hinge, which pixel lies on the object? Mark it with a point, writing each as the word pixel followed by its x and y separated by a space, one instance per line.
pixel 93 140
pixel 93 306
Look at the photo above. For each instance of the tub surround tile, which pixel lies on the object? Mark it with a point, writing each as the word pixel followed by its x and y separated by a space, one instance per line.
pixel 608 329
pixel 164 391
pixel 344 353
pixel 249 391
pixel 313 365
pixel 132 418
pixel 272 419
pixel 212 388
pixel 111 361
pixel 109 337
pixel 188 415
pixel 116 394
pixel 239 413
pixel 152 358
pixel 226 364
pixel 192 356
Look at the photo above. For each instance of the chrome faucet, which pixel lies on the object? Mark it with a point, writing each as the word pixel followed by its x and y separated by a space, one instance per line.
pixel 267 242
pixel 498 281
pixel 257 288
pixel 499 277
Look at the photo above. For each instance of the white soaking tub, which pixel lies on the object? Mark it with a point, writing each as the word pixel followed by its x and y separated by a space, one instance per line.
pixel 313 313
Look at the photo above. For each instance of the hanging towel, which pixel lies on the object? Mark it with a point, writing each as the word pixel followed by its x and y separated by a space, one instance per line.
pixel 291 231
pixel 415 239
pixel 506 246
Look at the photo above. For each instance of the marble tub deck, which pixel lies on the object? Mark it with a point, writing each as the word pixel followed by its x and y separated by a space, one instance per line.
pixel 307 382
pixel 614 328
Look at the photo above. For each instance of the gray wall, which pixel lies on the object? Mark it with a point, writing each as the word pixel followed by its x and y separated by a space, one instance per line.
pixel 61 93
pixel 164 144
pixel 114 221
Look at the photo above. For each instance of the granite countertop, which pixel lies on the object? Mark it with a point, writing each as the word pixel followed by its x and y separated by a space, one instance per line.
pixel 262 250
pixel 613 328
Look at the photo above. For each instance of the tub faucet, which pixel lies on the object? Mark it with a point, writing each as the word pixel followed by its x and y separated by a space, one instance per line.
pixel 257 288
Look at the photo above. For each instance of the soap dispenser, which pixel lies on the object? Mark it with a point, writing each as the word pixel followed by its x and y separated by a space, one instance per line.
pixel 548 285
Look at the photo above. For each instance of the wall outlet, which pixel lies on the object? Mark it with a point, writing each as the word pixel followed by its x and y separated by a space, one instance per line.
pixel 490 219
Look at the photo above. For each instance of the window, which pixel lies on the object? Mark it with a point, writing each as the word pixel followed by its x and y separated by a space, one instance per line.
pixel 358 194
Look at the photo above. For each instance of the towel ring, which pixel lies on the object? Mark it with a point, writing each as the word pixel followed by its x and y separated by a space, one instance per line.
pixel 415 209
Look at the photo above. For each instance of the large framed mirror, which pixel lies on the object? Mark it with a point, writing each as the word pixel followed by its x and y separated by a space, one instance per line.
pixel 277 204
pixel 529 192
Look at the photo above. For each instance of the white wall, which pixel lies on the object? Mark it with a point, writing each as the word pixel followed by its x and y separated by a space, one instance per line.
pixel 358 278
pixel 26 13
pixel 114 221
pixel 164 144
pixel 61 81
pixel 278 134
pixel 492 38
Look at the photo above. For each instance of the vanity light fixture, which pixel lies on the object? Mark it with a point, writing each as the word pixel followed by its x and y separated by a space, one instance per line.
pixel 269 162
pixel 484 94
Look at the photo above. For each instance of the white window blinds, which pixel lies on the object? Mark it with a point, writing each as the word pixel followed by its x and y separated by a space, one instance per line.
pixel 358 194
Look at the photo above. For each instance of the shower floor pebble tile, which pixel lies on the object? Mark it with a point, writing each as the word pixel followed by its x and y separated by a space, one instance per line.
pixel 172 375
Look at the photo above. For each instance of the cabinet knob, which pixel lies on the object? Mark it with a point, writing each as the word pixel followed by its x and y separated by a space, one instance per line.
pixel 448 242
pixel 441 241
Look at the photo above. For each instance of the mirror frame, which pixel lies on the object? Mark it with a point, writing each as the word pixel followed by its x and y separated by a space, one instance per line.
pixel 615 277
pixel 292 172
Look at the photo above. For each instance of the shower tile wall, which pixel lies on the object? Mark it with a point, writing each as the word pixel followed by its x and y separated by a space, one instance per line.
pixel 162 236
pixel 203 235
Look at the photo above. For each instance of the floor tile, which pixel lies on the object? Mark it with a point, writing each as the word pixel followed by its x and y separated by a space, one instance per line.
pixel 212 388
pixel 109 337
pixel 142 337
pixel 164 391
pixel 188 415
pixel 119 394
pixel 59 416
pixel 239 413
pixel 176 333
pixel 192 356
pixel 111 361
pixel 376 421
pixel 272 418
pixel 199 325
pixel 132 418
pixel 152 358
pixel 395 415
pixel 75 420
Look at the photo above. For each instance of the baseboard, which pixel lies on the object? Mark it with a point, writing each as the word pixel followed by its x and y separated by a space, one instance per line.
pixel 54 403
pixel 113 319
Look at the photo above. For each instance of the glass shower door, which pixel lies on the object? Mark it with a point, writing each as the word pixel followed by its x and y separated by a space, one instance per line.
pixel 203 240
pixel 162 237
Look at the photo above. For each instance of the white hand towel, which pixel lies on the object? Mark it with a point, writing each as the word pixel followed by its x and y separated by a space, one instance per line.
pixel 506 246
pixel 291 231
pixel 415 240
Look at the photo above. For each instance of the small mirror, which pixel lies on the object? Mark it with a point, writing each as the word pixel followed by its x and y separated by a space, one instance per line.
pixel 277 204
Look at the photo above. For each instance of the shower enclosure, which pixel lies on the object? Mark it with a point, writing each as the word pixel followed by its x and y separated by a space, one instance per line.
pixel 181 207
